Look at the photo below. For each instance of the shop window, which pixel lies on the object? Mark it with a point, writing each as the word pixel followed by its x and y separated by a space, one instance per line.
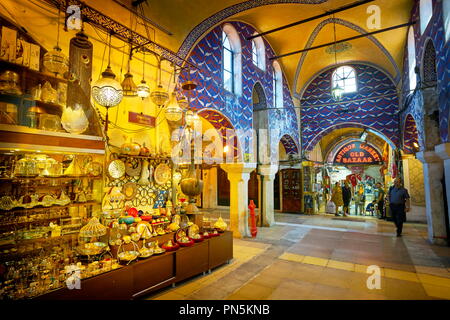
pixel 345 78
pixel 446 18
pixel 412 59
pixel 258 53
pixel 277 84
pixel 231 63
pixel 426 12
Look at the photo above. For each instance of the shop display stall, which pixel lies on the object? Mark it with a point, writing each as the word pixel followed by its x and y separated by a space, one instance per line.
pixel 77 212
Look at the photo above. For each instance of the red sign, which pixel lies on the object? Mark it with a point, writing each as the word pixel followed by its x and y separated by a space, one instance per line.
pixel 358 153
pixel 141 119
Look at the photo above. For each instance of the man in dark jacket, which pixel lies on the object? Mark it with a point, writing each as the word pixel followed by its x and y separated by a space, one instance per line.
pixel 399 204
pixel 347 197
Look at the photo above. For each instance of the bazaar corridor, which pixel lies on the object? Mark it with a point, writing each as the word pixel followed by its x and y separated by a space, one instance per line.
pixel 322 258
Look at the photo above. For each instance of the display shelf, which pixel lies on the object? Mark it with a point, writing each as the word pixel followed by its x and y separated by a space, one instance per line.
pixel 34 209
pixel 143 157
pixel 145 276
pixel 6 65
pixel 51 178
pixel 19 224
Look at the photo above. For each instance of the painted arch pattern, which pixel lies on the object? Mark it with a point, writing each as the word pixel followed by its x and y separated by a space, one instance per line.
pixel 435 32
pixel 374 106
pixel 410 134
pixel 210 93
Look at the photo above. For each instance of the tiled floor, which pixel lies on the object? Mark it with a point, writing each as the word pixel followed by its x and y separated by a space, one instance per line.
pixel 319 257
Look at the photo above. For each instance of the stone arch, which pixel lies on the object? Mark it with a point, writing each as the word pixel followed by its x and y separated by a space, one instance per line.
pixel 327 130
pixel 224 127
pixel 430 96
pixel 260 95
pixel 410 135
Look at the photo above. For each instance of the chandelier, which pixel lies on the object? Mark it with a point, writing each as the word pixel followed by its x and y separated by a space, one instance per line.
pixel 159 96
pixel 54 60
pixel 143 89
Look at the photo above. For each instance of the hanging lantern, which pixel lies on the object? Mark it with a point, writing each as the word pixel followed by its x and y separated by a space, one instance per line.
pixel 55 61
pixel 173 111
pixel 159 96
pixel 183 103
pixel 143 90
pixel 337 92
pixel 107 91
pixel 129 88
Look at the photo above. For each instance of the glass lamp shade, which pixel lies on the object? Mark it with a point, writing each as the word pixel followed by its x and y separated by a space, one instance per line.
pixel 173 111
pixel 129 88
pixel 55 61
pixel 107 91
pixel 143 90
pixel 183 103
pixel 159 96
pixel 337 93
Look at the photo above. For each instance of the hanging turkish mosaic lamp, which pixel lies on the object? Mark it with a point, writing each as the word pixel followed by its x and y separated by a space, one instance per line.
pixel 159 96
pixel 337 93
pixel 107 91
pixel 173 111
pixel 129 88
pixel 143 89
pixel 54 60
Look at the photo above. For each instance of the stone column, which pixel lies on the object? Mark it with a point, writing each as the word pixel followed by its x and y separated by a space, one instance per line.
pixel 239 174
pixel 267 173
pixel 443 151
pixel 433 171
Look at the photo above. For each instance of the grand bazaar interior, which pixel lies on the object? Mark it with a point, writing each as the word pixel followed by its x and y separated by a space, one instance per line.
pixel 225 150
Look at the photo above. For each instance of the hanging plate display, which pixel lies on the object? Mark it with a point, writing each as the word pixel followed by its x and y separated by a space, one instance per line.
pixel 162 174
pixel 116 169
pixel 133 168
pixel 129 190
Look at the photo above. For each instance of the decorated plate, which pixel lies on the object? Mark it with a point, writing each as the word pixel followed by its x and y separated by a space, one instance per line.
pixel 162 174
pixel 129 190
pixel 116 169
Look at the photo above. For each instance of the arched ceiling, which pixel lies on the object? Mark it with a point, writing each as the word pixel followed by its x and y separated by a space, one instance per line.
pixel 188 21
pixel 181 17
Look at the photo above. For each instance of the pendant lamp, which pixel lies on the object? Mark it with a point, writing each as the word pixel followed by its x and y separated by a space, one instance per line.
pixel 54 60
pixel 143 89
pixel 129 88
pixel 107 91
pixel 337 91
pixel 159 96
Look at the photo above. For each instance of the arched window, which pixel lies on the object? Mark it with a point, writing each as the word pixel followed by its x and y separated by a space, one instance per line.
pixel 429 75
pixel 231 63
pixel 259 53
pixel 446 18
pixel 426 12
pixel 412 59
pixel 277 83
pixel 345 78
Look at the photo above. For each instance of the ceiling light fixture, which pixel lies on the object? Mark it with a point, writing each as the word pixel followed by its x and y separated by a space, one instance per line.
pixel 159 96
pixel 54 60
pixel 143 89
pixel 337 91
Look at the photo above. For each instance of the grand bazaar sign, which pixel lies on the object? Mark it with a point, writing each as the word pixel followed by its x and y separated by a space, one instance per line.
pixel 358 153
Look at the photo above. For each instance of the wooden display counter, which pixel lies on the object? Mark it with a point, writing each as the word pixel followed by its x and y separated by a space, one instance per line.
pixel 145 276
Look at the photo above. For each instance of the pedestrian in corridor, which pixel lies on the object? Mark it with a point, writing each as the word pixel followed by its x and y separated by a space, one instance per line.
pixel 399 204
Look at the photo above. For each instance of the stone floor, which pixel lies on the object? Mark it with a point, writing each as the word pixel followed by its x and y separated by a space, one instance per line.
pixel 324 257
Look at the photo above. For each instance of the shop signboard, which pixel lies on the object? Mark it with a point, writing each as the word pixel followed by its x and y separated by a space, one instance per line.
pixel 141 119
pixel 357 153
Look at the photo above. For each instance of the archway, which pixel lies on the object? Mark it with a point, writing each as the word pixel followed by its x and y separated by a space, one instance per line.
pixel 410 136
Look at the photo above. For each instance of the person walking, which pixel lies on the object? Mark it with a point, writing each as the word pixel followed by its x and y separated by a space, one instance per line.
pixel 360 200
pixel 399 204
pixel 346 197
pixel 379 197
pixel 336 197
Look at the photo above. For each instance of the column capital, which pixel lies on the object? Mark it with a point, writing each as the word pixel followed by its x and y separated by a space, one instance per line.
pixel 428 157
pixel 238 167
pixel 443 150
pixel 267 169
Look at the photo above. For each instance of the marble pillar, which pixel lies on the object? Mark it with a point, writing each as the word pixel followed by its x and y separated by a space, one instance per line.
pixel 238 174
pixel 443 151
pixel 433 171
pixel 267 173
